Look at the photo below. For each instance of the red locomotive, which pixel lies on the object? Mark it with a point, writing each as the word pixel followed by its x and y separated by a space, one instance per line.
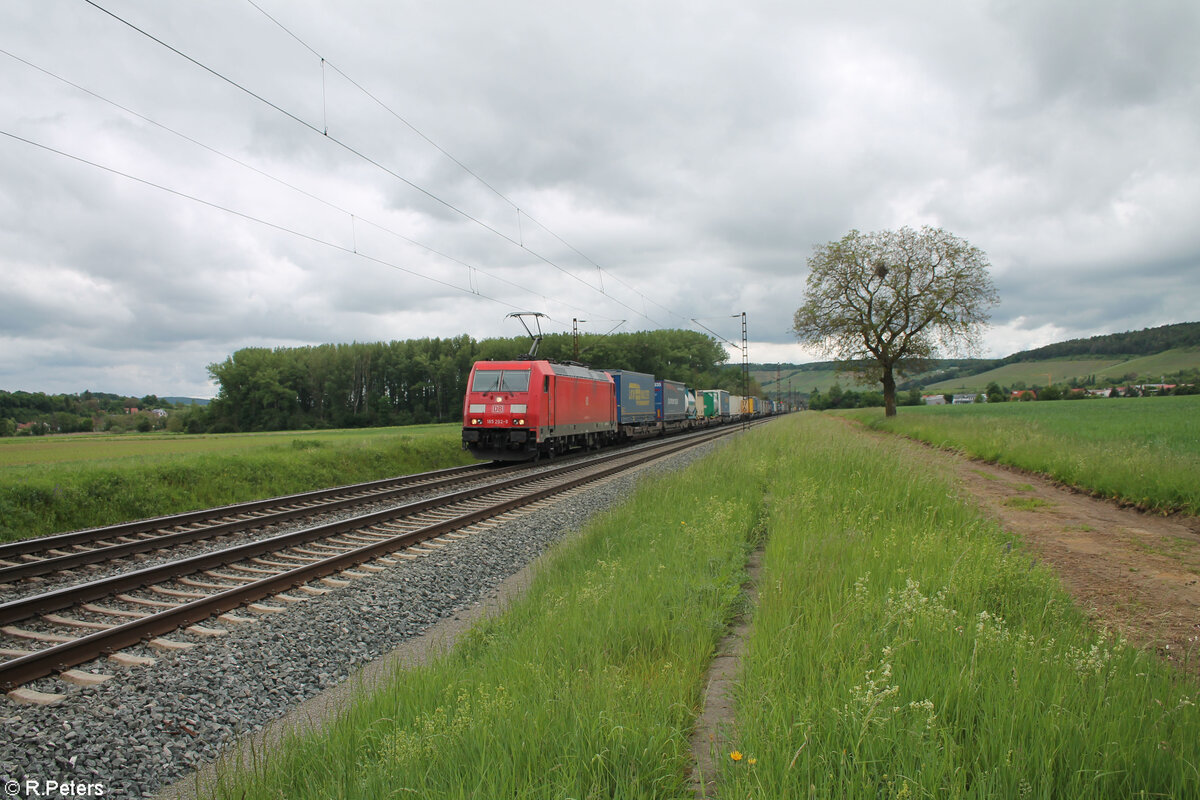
pixel 522 409
pixel 518 410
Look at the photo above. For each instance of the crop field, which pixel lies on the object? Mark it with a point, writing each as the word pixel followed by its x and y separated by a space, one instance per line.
pixel 1157 365
pixel 809 379
pixel 53 484
pixel 1043 373
pixel 903 646
pixel 1143 451
pixel 1030 373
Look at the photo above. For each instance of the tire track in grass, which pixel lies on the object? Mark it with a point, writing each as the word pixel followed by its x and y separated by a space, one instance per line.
pixel 712 737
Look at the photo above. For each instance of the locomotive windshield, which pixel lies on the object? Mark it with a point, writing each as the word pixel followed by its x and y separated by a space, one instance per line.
pixel 515 381
pixel 495 380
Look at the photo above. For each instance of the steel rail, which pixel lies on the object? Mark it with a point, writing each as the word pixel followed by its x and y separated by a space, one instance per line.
pixel 55 600
pixel 42 543
pixel 48 602
pixel 45 566
pixel 58 657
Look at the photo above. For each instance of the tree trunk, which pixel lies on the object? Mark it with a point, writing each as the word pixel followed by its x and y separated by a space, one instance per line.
pixel 889 392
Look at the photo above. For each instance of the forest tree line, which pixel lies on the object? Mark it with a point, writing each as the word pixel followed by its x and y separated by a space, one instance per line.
pixel 38 413
pixel 422 380
pixel 363 384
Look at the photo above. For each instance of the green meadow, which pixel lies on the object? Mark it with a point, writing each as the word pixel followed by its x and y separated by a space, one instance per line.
pixel 809 380
pixel 1106 369
pixel 902 646
pixel 120 448
pixel 1142 451
pixel 52 484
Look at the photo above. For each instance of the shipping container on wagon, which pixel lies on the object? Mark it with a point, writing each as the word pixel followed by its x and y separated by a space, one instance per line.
pixel 635 397
pixel 716 403
pixel 670 401
pixel 737 406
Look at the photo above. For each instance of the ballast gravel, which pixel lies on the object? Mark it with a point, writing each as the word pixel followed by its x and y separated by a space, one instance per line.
pixel 149 726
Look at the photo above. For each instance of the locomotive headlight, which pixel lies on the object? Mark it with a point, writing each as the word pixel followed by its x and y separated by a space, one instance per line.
pixel 520 422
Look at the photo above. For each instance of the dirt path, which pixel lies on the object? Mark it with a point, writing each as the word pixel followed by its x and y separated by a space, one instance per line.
pixel 714 729
pixel 1132 572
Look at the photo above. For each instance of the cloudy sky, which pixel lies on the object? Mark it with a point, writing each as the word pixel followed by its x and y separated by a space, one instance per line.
pixel 180 180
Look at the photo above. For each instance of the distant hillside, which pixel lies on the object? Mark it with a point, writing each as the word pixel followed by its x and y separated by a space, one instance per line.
pixel 187 401
pixel 1097 371
pixel 1147 355
pixel 822 375
pixel 1144 342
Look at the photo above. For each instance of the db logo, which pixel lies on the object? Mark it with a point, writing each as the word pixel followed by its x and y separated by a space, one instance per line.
pixel 497 409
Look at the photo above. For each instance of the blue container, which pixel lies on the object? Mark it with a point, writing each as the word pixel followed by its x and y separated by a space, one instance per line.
pixel 635 396
pixel 670 401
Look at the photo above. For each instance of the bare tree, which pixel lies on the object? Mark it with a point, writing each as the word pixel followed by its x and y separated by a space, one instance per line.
pixel 886 301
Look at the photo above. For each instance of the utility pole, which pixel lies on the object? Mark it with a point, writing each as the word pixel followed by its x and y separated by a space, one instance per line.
pixel 575 333
pixel 745 372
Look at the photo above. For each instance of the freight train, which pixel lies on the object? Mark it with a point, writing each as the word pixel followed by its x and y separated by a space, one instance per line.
pixel 525 409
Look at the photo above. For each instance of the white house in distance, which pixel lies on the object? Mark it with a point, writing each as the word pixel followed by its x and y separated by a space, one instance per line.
pixel 958 399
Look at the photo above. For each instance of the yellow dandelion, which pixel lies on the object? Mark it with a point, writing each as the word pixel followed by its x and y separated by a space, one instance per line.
pixel 752 761
pixel 736 755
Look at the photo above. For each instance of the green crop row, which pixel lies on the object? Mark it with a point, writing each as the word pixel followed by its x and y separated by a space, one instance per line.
pixel 49 498
pixel 903 646
pixel 1139 451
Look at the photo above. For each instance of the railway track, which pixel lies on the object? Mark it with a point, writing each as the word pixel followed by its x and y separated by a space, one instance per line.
pixel 30 558
pixel 53 631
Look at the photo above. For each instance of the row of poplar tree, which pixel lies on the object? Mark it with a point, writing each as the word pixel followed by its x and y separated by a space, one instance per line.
pixel 424 380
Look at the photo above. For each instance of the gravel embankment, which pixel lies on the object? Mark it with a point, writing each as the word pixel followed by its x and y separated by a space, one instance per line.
pixel 149 726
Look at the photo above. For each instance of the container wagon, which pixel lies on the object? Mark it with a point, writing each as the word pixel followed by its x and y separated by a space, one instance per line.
pixel 671 404
pixel 636 416
pixel 716 404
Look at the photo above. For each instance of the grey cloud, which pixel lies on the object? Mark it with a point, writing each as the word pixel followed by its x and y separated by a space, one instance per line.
pixel 696 151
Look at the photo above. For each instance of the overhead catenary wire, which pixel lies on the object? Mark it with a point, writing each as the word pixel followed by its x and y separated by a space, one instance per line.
pixel 399 117
pixel 354 218
pixel 249 217
pixel 717 335
pixel 359 154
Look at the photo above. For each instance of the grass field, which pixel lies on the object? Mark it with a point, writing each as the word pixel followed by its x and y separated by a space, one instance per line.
pixel 807 380
pixel 1144 451
pixel 113 448
pixel 903 646
pixel 1030 373
pixel 1156 366
pixel 1059 371
pixel 584 688
pixel 52 484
